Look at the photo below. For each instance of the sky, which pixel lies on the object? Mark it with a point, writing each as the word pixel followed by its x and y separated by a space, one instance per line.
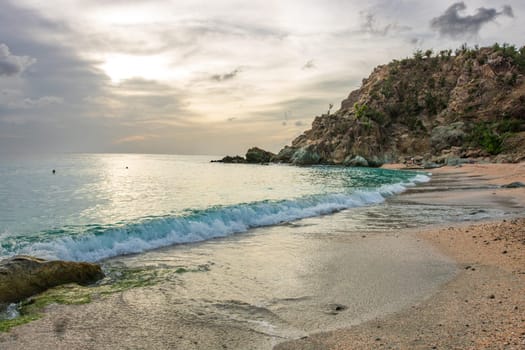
pixel 208 77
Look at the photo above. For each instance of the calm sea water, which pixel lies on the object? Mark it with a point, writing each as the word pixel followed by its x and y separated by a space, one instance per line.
pixel 98 206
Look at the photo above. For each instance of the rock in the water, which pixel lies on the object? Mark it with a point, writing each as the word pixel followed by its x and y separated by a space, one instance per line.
pixel 516 184
pixel 305 156
pixel 230 159
pixel 375 162
pixel 257 155
pixel 22 276
pixel 356 161
pixel 285 155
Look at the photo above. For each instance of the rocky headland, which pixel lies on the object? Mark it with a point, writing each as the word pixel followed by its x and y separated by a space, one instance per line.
pixel 431 109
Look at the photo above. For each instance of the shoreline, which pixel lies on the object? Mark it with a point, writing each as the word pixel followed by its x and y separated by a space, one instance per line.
pixel 482 307
pixel 294 281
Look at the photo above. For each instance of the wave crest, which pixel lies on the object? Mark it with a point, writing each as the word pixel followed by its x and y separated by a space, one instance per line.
pixel 99 243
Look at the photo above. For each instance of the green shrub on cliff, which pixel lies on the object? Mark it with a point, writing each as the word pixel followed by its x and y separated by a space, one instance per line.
pixel 366 114
pixel 513 53
pixel 485 136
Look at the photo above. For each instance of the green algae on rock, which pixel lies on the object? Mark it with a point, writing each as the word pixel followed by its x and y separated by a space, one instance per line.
pixel 23 276
pixel 117 280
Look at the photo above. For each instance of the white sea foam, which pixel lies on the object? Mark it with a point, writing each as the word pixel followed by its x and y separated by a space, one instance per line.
pixel 202 225
pixel 421 178
pixel 10 312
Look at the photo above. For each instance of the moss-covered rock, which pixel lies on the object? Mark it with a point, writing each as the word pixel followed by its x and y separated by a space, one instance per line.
pixel 23 276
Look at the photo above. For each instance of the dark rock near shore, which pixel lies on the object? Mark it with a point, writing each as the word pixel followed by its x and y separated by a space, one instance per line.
pixel 356 161
pixel 23 276
pixel 258 155
pixel 514 185
pixel 230 159
pixel 254 155
pixel 306 156
pixel 431 165
pixel 285 155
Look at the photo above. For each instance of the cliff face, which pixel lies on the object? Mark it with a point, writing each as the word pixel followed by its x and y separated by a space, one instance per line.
pixel 468 105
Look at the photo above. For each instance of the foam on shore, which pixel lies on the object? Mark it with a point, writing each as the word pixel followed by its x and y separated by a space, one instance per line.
pixel 95 242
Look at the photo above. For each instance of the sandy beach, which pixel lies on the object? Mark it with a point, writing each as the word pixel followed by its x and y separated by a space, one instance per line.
pixel 363 278
pixel 483 306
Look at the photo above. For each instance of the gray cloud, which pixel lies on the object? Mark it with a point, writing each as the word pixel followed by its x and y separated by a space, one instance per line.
pixel 12 65
pixel 231 28
pixel 185 35
pixel 227 76
pixel 507 11
pixel 452 24
pixel 137 101
pixel 14 99
pixel 309 65
pixel 59 81
pixel 370 25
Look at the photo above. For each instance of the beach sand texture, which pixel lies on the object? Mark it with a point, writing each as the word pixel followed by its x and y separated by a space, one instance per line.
pixel 307 286
pixel 483 307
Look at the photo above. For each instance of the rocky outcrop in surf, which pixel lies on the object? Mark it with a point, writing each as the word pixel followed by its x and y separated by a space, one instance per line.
pixel 254 155
pixel 23 276
pixel 258 155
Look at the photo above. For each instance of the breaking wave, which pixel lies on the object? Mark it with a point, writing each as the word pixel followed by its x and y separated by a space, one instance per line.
pixel 96 242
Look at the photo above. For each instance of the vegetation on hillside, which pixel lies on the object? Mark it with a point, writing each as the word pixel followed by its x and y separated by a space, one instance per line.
pixel 398 108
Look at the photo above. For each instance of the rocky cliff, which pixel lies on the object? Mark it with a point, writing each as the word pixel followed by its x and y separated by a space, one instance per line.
pixel 464 104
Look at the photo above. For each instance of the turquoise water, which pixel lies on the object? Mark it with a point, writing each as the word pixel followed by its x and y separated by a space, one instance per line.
pixel 98 206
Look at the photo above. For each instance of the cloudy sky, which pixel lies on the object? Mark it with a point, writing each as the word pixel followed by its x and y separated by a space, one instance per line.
pixel 207 77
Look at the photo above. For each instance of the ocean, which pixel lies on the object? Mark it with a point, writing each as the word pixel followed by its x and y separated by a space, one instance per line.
pixel 98 206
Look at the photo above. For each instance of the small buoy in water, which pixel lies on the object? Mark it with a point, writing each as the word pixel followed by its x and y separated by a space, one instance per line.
pixel 54 171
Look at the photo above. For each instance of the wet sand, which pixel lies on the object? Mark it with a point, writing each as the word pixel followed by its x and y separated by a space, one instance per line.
pixel 253 291
pixel 361 278
pixel 483 306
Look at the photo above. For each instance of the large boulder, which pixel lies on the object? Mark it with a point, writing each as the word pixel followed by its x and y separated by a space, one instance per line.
pixel 356 161
pixel 376 161
pixel 285 155
pixel 447 136
pixel 258 155
pixel 22 276
pixel 306 156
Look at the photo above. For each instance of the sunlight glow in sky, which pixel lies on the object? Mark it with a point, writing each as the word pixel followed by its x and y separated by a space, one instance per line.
pixel 122 67
pixel 212 77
